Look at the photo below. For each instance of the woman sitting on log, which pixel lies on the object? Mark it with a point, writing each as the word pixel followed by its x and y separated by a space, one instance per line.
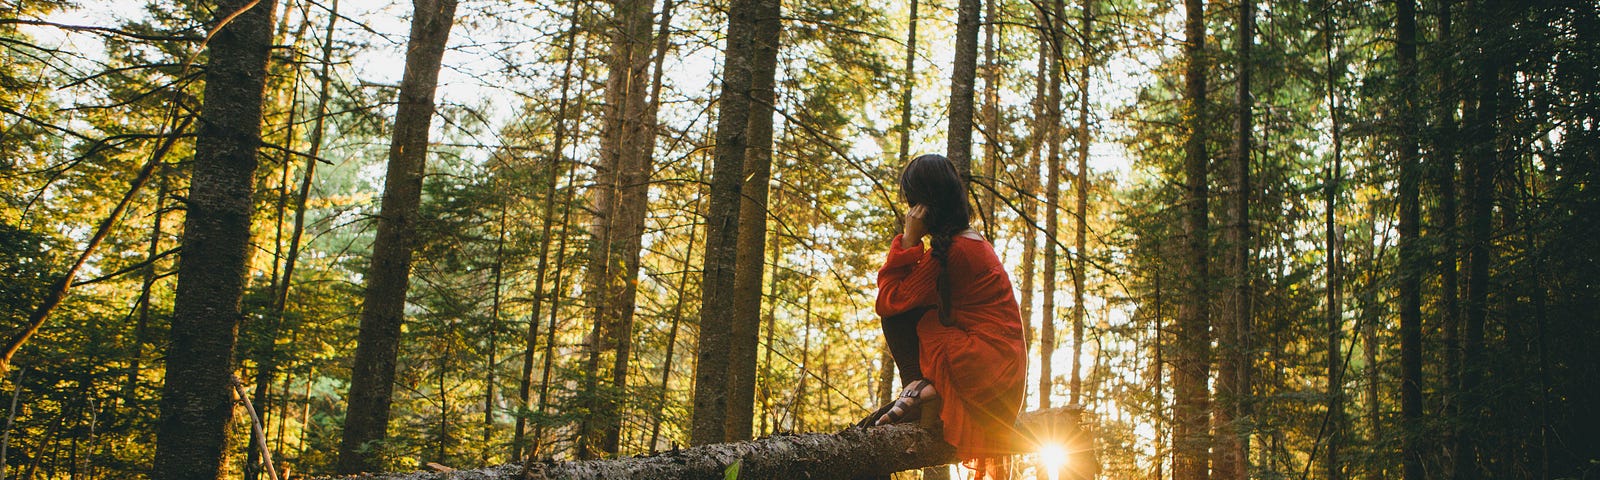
pixel 950 319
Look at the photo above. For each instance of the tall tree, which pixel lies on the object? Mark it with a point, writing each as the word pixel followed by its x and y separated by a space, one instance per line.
pixel 722 223
pixel 1332 435
pixel 197 399
pixel 1481 162
pixel 383 306
pixel 1230 454
pixel 1081 179
pixel 1030 184
pixel 909 84
pixel 1446 238
pixel 1052 205
pixel 1191 412
pixel 620 204
pixel 751 251
pixel 991 121
pixel 1411 266
pixel 963 83
pixel 554 159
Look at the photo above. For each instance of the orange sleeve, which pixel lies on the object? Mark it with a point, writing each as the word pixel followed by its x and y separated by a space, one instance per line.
pixel 908 280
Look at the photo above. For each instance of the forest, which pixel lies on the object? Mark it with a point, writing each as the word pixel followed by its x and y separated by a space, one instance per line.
pixel 1313 239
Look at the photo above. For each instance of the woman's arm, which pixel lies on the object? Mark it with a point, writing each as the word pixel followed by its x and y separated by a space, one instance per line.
pixel 908 279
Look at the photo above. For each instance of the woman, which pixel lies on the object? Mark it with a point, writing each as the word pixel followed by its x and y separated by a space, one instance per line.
pixel 950 318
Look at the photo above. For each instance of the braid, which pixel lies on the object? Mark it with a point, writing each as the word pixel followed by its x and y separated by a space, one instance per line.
pixel 933 181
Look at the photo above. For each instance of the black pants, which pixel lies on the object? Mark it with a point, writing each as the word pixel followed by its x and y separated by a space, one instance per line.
pixel 900 331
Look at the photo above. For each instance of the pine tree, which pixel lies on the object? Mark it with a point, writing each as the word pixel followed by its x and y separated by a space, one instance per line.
pixel 382 311
pixel 197 399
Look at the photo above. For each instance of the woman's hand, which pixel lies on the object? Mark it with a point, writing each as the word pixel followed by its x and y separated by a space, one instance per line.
pixel 914 228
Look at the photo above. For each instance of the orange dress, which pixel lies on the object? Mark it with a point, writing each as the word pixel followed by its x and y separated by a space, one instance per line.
pixel 978 365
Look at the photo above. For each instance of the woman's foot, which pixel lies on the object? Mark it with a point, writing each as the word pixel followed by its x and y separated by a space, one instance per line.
pixel 909 404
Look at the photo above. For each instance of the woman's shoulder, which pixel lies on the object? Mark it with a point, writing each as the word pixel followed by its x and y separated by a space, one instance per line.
pixel 972 244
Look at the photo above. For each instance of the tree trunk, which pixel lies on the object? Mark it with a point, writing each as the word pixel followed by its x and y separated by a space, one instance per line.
pixel 302 196
pixel 751 254
pixel 1159 365
pixel 1052 205
pixel 852 453
pixel 265 355
pixel 910 82
pixel 885 376
pixel 1333 423
pixel 1411 266
pixel 722 229
pixel 197 401
pixel 963 80
pixel 1081 233
pixel 991 121
pixel 1445 215
pixel 1481 153
pixel 497 272
pixel 677 315
pixel 141 325
pixel 383 306
pixel 1030 189
pixel 1191 432
pixel 621 179
pixel 553 161
pixel 1230 452
pixel 555 294
pixel 633 186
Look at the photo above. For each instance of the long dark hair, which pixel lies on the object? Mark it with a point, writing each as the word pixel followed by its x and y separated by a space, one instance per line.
pixel 931 180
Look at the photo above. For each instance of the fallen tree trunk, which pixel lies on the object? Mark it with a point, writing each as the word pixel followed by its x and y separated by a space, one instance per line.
pixel 852 453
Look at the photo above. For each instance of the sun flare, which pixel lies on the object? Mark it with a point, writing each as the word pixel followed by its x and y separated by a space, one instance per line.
pixel 1052 457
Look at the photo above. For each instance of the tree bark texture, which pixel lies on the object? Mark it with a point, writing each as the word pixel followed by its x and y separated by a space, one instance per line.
pixel 751 251
pixel 852 453
pixel 1481 162
pixel 991 122
pixel 722 222
pixel 1446 239
pixel 622 187
pixel 383 307
pixel 1229 454
pixel 1030 191
pixel 963 81
pixel 910 82
pixel 1334 422
pixel 1052 205
pixel 1191 412
pixel 1411 266
pixel 192 436
pixel 1081 193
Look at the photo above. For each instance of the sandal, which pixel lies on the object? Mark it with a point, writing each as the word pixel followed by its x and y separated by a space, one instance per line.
pixel 905 408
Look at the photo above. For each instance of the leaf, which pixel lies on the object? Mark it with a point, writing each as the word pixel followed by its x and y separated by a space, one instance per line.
pixel 732 473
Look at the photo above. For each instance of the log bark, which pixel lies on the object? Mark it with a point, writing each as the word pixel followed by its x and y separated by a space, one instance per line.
pixel 852 453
